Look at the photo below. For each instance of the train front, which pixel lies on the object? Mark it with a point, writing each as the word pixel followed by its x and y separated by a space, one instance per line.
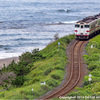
pixel 82 31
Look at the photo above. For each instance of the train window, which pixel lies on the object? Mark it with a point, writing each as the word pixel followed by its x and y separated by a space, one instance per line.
pixel 77 26
pixel 81 26
pixel 86 26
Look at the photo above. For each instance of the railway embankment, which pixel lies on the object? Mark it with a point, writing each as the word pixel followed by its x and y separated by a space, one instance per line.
pixel 91 83
pixel 36 73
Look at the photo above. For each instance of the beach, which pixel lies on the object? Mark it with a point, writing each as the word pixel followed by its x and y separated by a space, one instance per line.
pixel 7 61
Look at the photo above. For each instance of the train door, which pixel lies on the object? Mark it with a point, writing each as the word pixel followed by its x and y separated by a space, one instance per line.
pixel 82 29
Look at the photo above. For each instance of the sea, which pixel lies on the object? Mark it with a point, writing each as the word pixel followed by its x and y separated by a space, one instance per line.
pixel 29 24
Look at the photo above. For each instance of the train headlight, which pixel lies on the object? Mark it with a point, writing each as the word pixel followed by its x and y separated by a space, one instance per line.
pixel 76 31
pixel 87 31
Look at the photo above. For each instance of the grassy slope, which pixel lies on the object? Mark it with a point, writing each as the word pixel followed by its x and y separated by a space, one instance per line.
pixel 49 70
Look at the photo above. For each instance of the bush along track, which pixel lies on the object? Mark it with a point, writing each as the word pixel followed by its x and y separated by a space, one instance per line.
pixel 25 80
pixel 91 88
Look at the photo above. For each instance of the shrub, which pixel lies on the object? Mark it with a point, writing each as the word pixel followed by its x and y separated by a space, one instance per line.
pixel 27 57
pixel 36 79
pixel 35 93
pixel 59 67
pixel 92 67
pixel 52 82
pixel 44 88
pixel 96 73
pixel 48 71
pixel 74 94
pixel 2 95
pixel 56 36
pixel 21 68
pixel 35 51
pixel 7 81
pixel 19 80
pixel 86 83
pixel 55 76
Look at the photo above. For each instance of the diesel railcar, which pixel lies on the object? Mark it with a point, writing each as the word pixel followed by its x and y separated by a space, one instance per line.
pixel 87 27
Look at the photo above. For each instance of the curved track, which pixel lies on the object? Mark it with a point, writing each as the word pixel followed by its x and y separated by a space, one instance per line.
pixel 75 72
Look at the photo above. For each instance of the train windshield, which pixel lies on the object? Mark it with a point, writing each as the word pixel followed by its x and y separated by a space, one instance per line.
pixel 86 26
pixel 81 26
pixel 77 26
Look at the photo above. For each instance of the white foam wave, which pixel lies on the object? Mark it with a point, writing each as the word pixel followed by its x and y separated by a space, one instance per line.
pixel 9 55
pixel 59 23
pixel 69 22
pixel 4 54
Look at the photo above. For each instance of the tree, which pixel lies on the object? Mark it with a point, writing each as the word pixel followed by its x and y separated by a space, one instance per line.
pixel 19 80
pixel 27 57
pixel 56 36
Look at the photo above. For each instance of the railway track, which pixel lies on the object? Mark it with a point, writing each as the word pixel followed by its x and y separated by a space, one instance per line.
pixel 75 72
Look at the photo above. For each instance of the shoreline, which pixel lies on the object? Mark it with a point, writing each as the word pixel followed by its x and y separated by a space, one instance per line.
pixel 7 61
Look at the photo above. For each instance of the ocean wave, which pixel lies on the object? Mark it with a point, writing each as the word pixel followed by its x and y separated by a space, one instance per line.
pixel 40 13
pixel 22 39
pixel 31 44
pixel 5 47
pixel 62 23
pixel 2 46
pixel 9 35
pixel 66 22
pixel 4 55
pixel 64 10
pixel 1 22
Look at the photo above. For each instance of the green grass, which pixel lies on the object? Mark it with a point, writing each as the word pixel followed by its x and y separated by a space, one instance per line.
pixel 50 69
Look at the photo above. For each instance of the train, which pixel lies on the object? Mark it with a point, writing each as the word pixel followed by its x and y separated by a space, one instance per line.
pixel 87 27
